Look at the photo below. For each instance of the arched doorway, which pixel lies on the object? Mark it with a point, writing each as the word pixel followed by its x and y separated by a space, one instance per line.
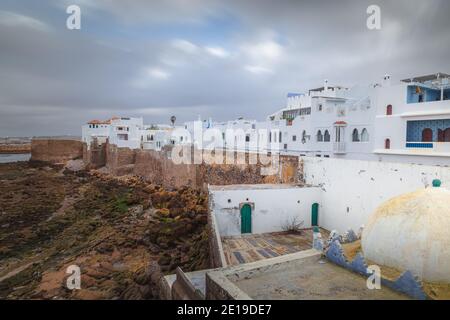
pixel 427 135
pixel 315 214
pixel 246 219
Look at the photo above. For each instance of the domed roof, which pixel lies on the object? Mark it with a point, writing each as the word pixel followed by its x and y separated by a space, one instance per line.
pixel 412 232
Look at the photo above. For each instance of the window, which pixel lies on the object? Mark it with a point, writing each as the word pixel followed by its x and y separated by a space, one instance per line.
pixel 355 135
pixel 247 138
pixel 389 110
pixel 364 135
pixel 270 136
pixel 427 135
pixel 319 136
pixel 304 136
pixel 285 146
pixel 294 138
pixel 319 107
pixel 150 137
pixel 387 143
pixel 280 137
pixel 326 136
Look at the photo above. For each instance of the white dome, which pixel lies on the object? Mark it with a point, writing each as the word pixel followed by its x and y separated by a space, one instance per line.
pixel 412 232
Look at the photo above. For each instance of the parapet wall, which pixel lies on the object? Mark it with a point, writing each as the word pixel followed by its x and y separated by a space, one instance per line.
pixel 56 150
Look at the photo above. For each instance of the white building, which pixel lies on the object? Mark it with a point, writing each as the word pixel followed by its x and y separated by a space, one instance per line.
pixel 123 132
pixel 413 121
pixel 95 129
pixel 407 122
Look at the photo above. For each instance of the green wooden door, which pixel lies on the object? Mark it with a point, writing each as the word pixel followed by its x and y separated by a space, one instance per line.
pixel 315 214
pixel 246 219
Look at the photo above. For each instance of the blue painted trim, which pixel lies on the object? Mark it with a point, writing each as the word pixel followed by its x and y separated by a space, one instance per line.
pixel 419 145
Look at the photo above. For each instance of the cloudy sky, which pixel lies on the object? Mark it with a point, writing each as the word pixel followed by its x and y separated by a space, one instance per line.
pixel 220 59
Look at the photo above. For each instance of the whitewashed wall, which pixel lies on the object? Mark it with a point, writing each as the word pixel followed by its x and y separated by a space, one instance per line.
pixel 273 207
pixel 353 189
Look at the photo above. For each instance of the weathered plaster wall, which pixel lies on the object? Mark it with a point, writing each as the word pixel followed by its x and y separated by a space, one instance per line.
pixel 56 150
pixel 216 255
pixel 353 189
pixel 272 207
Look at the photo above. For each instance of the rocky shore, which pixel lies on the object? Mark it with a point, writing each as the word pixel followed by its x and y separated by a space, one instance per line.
pixel 123 233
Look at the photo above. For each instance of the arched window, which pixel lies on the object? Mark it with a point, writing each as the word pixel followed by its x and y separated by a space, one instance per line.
pixel 355 135
pixel 364 135
pixel 319 136
pixel 389 110
pixel 427 135
pixel 387 143
pixel 446 135
pixel 326 136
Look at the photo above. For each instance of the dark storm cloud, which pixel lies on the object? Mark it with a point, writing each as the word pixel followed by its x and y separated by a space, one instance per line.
pixel 222 59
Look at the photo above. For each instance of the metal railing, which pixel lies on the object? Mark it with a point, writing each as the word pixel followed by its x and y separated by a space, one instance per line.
pixel 339 147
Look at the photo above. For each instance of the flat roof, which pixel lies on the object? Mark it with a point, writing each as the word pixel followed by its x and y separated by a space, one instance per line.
pixel 303 275
pixel 253 186
pixel 429 77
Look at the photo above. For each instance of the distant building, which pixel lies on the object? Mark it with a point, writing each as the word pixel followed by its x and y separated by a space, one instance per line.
pixel 406 122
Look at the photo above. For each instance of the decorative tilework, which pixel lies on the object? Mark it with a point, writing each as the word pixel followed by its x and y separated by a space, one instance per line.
pixel 414 128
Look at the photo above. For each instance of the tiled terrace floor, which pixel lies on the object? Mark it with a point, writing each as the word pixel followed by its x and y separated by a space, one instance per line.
pixel 249 248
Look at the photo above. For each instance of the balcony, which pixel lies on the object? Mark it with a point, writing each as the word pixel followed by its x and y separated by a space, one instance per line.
pixel 339 148
pixel 438 147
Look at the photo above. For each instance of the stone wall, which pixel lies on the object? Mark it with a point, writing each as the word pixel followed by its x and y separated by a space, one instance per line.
pixel 95 155
pixel 158 168
pixel 15 148
pixel 154 166
pixel 120 161
pixel 56 150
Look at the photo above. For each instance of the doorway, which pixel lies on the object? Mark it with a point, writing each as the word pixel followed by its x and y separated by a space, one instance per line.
pixel 246 219
pixel 315 215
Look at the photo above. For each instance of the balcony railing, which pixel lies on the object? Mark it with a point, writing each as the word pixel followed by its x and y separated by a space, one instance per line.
pixel 339 147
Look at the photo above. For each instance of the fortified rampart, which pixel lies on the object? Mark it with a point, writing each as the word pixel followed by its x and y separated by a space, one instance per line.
pixel 159 168
pixel 56 150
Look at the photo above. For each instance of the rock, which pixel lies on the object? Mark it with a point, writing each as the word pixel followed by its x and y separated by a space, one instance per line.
pixel 75 165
